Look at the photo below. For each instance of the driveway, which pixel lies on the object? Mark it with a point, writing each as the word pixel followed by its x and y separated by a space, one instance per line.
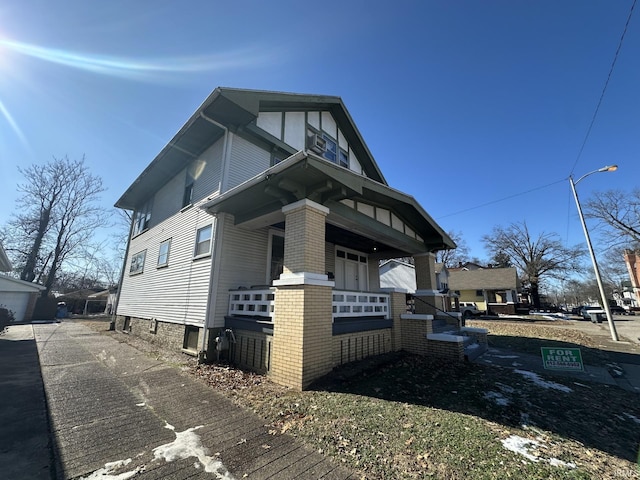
pixel 114 412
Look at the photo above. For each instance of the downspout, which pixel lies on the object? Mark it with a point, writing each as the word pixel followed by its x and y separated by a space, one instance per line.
pixel 112 325
pixel 217 248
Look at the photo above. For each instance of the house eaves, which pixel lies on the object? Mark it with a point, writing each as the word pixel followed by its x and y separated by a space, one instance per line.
pixel 305 175
pixel 237 110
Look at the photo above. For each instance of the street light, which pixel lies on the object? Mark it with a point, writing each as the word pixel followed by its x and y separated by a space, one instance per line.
pixel 605 302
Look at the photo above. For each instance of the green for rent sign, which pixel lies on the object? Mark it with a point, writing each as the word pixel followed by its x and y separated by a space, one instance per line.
pixel 555 358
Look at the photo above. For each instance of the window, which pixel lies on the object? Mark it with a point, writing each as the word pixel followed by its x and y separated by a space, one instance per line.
pixel 163 253
pixel 137 262
pixel 142 218
pixel 187 197
pixel 203 241
pixel 331 151
pixel 479 293
pixel 191 335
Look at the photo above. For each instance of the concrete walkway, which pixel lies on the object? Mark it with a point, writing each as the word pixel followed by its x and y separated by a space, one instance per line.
pixel 116 413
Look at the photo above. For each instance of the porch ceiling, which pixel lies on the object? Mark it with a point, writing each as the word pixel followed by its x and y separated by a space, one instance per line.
pixel 259 201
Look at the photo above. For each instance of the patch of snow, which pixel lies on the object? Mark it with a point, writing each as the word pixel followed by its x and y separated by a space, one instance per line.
pixel 506 356
pixel 497 398
pixel 559 463
pixel 473 346
pixel 516 364
pixel 524 420
pixel 535 378
pixel 187 444
pixel 106 473
pixel 523 446
pixel 581 384
pixel 141 404
pixel 634 418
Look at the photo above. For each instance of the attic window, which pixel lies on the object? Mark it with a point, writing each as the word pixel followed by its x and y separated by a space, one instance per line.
pixel 324 144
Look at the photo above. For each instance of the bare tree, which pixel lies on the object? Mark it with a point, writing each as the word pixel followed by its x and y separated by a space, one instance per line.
pixel 535 258
pixel 59 215
pixel 619 212
pixel 451 258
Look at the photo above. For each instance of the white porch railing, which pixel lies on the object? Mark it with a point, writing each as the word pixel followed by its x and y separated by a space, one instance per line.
pixel 261 302
pixel 252 302
pixel 360 304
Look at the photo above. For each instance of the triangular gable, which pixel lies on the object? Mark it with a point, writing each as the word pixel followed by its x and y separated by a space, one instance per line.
pixel 238 109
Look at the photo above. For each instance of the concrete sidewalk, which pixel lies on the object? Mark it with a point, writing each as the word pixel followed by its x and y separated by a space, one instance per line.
pixel 115 411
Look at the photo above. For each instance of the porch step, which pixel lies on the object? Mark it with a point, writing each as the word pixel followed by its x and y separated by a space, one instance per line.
pixel 474 350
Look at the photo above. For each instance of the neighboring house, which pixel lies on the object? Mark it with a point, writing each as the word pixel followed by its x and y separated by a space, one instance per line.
pixel 5 264
pixel 494 290
pixel 397 274
pixel 262 223
pixel 633 266
pixel 19 297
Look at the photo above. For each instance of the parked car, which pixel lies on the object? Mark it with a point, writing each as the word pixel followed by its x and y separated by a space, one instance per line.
pixel 591 314
pixel 618 310
pixel 469 309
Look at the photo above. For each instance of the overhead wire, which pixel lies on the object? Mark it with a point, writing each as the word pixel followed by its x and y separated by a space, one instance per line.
pixel 604 89
pixel 502 199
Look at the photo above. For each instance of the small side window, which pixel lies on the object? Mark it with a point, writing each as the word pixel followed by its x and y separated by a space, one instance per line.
pixel 163 253
pixel 137 262
pixel 203 241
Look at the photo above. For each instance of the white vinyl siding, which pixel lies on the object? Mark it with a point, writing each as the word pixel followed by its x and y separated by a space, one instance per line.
pixel 243 263
pixel 168 200
pixel 208 172
pixel 247 161
pixel 179 292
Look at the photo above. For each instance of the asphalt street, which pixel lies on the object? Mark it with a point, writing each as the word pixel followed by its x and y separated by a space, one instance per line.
pixel 77 404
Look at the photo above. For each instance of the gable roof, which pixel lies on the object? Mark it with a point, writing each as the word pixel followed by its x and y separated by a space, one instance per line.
pixel 11 284
pixel 485 279
pixel 305 175
pixel 237 109
pixel 397 274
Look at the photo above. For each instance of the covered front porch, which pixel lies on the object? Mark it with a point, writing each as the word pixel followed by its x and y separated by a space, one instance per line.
pixel 321 303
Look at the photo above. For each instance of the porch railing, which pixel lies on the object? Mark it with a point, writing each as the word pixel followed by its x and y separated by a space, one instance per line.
pixel 252 303
pixel 345 304
pixel 360 304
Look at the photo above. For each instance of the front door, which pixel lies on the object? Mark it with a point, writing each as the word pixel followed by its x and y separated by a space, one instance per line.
pixel 351 270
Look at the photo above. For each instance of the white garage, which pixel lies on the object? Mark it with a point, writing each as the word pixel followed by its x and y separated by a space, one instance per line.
pixel 18 296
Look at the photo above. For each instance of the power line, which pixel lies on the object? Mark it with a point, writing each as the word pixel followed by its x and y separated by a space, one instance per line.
pixel 604 89
pixel 502 199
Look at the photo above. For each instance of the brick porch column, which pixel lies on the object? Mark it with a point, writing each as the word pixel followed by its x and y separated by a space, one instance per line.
pixel 302 326
pixel 425 283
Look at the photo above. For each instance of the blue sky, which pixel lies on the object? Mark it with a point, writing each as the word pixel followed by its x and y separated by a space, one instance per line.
pixel 465 105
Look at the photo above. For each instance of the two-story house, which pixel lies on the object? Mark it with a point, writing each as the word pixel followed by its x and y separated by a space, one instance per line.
pixel 260 227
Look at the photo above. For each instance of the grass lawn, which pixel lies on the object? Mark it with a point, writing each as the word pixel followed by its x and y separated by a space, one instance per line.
pixel 404 416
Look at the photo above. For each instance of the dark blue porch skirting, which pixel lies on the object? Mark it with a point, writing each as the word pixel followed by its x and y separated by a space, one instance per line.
pixel 340 325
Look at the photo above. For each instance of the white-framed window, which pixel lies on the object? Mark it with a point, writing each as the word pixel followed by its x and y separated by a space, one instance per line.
pixel 137 262
pixel 141 218
pixel 203 241
pixel 187 196
pixel 163 253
